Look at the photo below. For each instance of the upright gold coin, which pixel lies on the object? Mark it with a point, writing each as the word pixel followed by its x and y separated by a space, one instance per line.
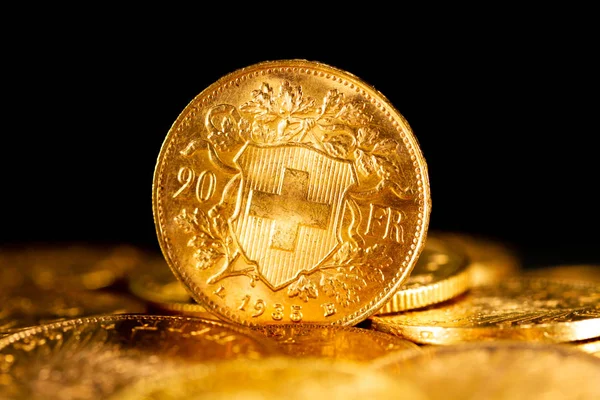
pixel 578 272
pixel 500 371
pixel 591 346
pixel 92 358
pixel 491 261
pixel 155 284
pixel 291 191
pixel 334 342
pixel 75 266
pixel 29 305
pixel 441 273
pixel 273 378
pixel 518 309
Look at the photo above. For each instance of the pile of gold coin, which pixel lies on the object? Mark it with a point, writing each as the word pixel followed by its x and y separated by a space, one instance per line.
pixel 292 203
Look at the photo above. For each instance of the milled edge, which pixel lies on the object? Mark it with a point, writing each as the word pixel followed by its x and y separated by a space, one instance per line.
pixel 427 295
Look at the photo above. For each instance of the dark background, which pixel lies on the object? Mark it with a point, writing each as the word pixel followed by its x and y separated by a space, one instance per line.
pixel 506 116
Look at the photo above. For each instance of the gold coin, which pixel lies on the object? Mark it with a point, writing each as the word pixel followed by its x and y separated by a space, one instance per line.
pixel 441 273
pixel 69 266
pixel 500 371
pixel 591 346
pixel 491 261
pixel 155 283
pixel 518 309
pixel 29 305
pixel 334 342
pixel 291 191
pixel 580 272
pixel 272 378
pixel 91 358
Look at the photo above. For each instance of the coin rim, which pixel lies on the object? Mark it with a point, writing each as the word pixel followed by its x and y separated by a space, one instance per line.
pixel 131 304
pixel 5 341
pixel 560 332
pixel 435 292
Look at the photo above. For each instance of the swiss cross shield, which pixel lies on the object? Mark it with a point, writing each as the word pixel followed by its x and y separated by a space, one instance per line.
pixel 290 208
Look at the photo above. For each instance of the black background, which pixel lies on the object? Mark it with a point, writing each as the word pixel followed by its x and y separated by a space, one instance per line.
pixel 506 116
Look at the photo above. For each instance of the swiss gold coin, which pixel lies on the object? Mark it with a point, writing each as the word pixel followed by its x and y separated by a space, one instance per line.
pixel 500 371
pixel 29 305
pixel 490 261
pixel 291 191
pixel 91 358
pixel 579 272
pixel 155 284
pixel 272 378
pixel 518 308
pixel 74 266
pixel 441 273
pixel 334 342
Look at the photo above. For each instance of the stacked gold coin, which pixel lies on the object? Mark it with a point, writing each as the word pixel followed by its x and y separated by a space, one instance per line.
pixel 291 202
pixel 557 304
pixel 43 283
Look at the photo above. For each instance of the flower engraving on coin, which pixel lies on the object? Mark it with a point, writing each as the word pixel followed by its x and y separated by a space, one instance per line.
pixel 338 140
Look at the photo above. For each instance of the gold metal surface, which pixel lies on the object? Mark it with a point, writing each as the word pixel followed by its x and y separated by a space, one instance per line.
pixel 334 342
pixel 518 308
pixel 491 261
pixel 579 272
pixel 291 191
pixel 155 283
pixel 29 305
pixel 441 273
pixel 500 371
pixel 75 266
pixel 272 378
pixel 591 346
pixel 91 358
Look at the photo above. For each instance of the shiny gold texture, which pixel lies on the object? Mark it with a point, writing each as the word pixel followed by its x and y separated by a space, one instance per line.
pixel 291 191
pixel 334 342
pixel 29 305
pixel 155 284
pixel 591 346
pixel 441 273
pixel 272 378
pixel 491 261
pixel 578 272
pixel 92 358
pixel 74 266
pixel 501 370
pixel 518 309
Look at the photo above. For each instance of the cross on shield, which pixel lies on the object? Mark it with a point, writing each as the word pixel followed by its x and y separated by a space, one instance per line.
pixel 290 208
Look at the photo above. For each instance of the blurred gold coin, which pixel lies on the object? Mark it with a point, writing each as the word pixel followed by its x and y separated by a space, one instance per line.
pixel 29 305
pixel 273 378
pixel 155 283
pixel 91 358
pixel 441 273
pixel 334 342
pixel 579 272
pixel 490 261
pixel 517 308
pixel 591 346
pixel 74 266
pixel 500 371
pixel 291 191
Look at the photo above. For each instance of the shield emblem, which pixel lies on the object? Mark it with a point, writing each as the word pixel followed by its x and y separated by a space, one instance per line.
pixel 290 208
